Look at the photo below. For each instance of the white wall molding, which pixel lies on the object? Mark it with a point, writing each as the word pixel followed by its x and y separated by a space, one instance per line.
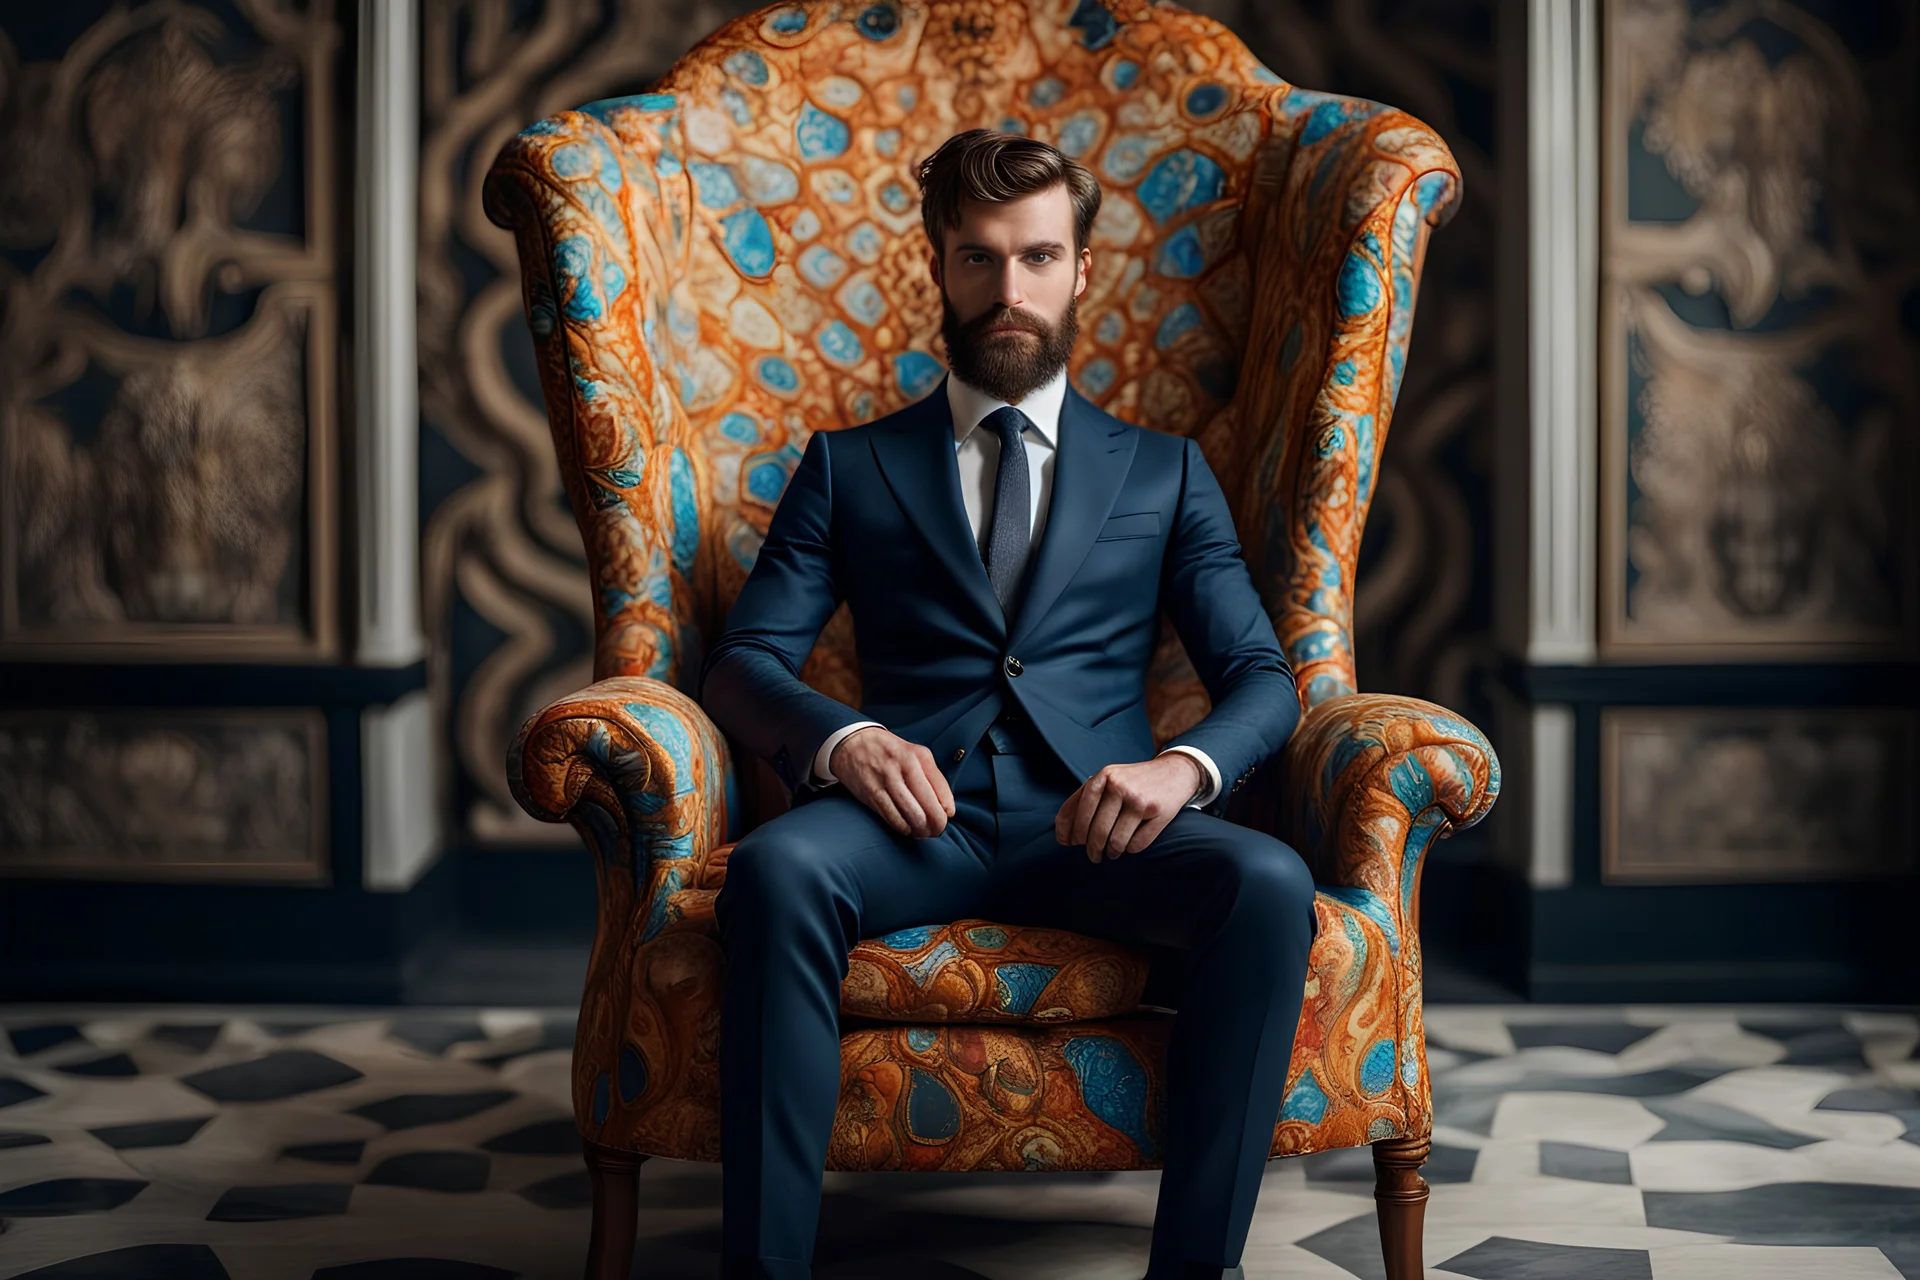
pixel 400 801
pixel 1532 826
pixel 1550 840
pixel 1563 197
pixel 386 376
pixel 400 823
pixel 1547 464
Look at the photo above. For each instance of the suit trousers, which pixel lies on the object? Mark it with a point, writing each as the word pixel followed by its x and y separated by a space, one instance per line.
pixel 803 888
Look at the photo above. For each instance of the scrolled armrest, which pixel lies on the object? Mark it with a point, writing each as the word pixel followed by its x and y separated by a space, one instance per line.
pixel 1371 780
pixel 643 774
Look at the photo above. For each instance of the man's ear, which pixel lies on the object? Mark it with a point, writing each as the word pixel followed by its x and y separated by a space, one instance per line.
pixel 933 265
pixel 1086 264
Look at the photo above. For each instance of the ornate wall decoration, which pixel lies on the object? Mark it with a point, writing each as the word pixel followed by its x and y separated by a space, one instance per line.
pixel 173 795
pixel 1713 796
pixel 1761 288
pixel 507 600
pixel 168 335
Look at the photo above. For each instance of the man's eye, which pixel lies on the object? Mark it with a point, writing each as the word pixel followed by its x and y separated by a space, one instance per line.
pixel 1041 255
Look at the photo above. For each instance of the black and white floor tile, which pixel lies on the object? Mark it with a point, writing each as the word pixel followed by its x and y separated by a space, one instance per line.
pixel 1575 1144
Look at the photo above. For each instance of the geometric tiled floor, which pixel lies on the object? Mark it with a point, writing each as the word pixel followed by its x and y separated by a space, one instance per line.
pixel 1571 1144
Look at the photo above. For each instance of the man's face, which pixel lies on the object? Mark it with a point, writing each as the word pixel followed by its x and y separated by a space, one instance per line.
pixel 1009 280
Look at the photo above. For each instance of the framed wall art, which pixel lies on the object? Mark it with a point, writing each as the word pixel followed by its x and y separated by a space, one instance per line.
pixel 1759 400
pixel 165 794
pixel 1694 795
pixel 168 379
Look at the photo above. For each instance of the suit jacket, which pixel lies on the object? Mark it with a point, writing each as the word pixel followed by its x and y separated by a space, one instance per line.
pixel 873 516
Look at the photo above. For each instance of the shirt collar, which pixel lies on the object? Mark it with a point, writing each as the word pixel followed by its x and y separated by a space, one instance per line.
pixel 971 405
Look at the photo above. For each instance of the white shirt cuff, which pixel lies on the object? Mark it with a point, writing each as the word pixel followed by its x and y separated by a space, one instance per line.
pixel 823 776
pixel 1208 767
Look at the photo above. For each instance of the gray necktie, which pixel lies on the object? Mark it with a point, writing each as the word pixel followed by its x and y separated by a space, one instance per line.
pixel 1012 510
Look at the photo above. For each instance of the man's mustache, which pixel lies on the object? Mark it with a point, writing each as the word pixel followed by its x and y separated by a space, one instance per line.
pixel 1007 316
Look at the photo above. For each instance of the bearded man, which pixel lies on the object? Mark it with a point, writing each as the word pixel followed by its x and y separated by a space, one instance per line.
pixel 1006 550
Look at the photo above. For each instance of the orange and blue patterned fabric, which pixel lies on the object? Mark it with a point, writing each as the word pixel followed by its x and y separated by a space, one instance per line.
pixel 717 268
pixel 979 971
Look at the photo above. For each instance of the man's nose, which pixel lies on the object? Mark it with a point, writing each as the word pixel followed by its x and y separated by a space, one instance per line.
pixel 1010 294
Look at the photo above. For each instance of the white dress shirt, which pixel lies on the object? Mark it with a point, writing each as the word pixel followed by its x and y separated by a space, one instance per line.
pixel 978 453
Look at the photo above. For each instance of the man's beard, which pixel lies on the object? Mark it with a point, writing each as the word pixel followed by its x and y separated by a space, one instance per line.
pixel 1006 366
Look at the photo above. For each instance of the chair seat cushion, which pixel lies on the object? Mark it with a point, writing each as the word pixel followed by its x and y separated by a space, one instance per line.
pixel 980 971
pixel 965 971
pixel 1008 1096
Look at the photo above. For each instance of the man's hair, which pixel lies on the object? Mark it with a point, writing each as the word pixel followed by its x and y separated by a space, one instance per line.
pixel 981 164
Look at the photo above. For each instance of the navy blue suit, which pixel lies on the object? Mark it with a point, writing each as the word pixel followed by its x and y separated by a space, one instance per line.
pixel 1017 714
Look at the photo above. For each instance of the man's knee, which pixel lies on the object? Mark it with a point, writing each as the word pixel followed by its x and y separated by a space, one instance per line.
pixel 779 867
pixel 1271 881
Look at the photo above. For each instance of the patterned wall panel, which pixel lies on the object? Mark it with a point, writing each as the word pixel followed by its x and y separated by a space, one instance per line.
pixel 1760 327
pixel 168 330
pixel 1713 796
pixel 174 795
pixel 507 597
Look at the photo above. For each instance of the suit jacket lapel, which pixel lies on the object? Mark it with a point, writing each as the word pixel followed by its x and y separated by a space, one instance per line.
pixel 916 455
pixel 1095 454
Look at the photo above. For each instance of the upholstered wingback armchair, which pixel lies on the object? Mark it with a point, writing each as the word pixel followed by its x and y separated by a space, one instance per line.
pixel 717 268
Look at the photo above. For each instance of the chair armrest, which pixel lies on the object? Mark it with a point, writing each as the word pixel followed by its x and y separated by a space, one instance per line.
pixel 645 778
pixel 1369 781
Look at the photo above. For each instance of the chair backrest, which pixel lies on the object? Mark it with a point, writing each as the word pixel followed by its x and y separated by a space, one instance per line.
pixel 715 269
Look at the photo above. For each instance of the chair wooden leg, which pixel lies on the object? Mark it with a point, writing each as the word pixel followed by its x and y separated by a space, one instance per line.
pixel 1400 1196
pixel 615 1176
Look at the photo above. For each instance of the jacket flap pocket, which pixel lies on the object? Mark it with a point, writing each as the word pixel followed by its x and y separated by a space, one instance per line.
pixel 1143 524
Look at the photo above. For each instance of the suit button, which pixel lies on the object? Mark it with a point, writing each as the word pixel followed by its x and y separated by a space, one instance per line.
pixel 959 754
pixel 1013 666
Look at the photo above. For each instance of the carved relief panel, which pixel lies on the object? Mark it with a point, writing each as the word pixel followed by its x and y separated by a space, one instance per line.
pixel 167 794
pixel 1712 796
pixel 168 303
pixel 1760 327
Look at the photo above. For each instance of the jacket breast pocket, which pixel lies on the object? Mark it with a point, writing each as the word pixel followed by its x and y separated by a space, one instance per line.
pixel 1141 524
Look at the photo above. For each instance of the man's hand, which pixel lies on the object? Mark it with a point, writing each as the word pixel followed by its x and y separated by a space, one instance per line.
pixel 896 779
pixel 1124 807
